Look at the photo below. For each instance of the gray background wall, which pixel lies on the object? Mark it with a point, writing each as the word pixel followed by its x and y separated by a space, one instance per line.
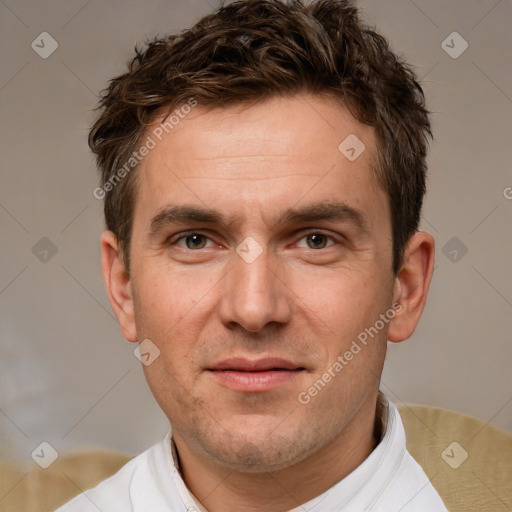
pixel 67 376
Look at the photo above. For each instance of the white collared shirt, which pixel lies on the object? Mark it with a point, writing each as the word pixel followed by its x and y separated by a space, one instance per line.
pixel 389 480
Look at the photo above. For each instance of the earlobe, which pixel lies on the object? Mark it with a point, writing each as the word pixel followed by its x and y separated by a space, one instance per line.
pixel 411 286
pixel 118 285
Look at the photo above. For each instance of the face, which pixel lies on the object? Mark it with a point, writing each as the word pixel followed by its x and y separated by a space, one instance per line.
pixel 259 254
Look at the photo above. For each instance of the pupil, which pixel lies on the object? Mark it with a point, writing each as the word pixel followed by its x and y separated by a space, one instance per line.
pixel 316 240
pixel 195 241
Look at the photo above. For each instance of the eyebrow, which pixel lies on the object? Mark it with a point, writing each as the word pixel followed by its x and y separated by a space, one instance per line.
pixel 325 211
pixel 321 211
pixel 184 214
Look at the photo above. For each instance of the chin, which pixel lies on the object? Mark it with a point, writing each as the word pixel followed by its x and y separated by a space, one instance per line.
pixel 271 450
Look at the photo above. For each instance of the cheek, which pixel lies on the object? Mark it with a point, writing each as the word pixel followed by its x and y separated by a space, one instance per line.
pixel 339 307
pixel 166 297
pixel 171 309
pixel 166 317
pixel 341 299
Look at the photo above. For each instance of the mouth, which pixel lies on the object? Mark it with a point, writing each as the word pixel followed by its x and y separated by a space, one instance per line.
pixel 246 375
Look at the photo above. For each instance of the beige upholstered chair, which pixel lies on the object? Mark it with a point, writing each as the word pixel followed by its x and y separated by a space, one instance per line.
pixel 32 489
pixel 440 440
pixel 468 461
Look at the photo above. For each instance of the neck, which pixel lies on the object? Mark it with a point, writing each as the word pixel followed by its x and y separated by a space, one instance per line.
pixel 219 488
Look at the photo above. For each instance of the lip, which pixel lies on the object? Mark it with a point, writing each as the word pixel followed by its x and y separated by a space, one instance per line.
pixel 242 364
pixel 247 375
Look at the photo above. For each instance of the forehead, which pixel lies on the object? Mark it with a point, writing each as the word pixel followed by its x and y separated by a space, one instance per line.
pixel 253 157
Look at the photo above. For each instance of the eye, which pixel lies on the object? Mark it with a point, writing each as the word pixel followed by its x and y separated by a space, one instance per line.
pixel 315 241
pixel 193 241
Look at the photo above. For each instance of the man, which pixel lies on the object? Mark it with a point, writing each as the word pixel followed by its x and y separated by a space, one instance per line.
pixel 263 175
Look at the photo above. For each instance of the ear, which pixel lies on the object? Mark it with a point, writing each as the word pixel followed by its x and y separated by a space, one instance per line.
pixel 118 285
pixel 411 286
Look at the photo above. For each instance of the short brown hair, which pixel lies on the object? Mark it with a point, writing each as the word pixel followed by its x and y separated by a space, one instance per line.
pixel 251 50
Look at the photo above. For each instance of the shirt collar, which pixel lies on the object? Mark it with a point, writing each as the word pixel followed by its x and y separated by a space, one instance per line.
pixel 381 417
pixel 364 485
pixel 362 488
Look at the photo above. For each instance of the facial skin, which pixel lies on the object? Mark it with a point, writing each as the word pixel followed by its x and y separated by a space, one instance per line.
pixel 304 299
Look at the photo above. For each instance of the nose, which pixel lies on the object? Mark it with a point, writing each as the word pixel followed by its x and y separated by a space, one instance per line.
pixel 254 295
